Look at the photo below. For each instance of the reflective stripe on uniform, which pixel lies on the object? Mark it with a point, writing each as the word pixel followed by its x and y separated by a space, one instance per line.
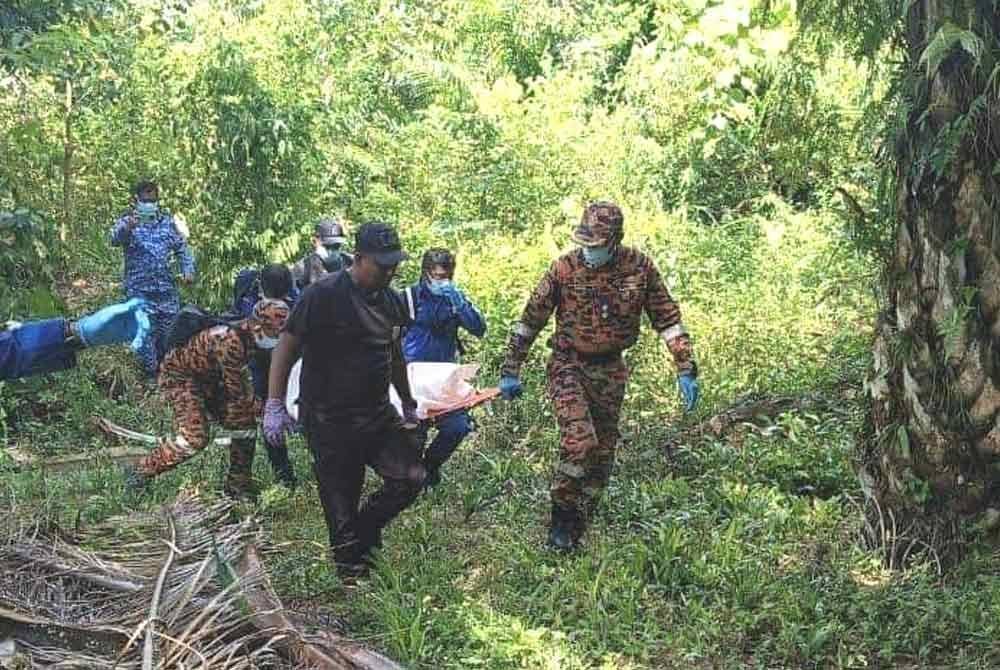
pixel 571 470
pixel 673 332
pixel 524 330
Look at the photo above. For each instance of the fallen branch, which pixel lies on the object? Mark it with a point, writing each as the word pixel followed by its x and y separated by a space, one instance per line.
pixel 111 428
pixel 747 412
pixel 147 651
pixel 23 459
pixel 325 650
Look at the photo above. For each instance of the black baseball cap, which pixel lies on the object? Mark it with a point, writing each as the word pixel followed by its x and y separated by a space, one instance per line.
pixel 329 231
pixel 381 242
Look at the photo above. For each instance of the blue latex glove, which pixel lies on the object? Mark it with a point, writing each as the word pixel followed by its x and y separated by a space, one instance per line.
pixel 454 296
pixel 115 324
pixel 510 387
pixel 689 390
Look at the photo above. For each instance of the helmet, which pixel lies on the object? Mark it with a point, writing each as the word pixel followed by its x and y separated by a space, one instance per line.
pixel 600 225
pixel 437 256
pixel 270 315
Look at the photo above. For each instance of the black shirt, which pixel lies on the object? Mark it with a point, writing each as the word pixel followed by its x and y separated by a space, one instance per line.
pixel 347 340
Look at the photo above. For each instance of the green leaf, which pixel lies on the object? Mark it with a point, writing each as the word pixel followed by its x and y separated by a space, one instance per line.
pixel 904 442
pixel 947 37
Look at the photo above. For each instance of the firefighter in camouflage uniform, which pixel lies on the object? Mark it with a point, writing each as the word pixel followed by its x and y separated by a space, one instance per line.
pixel 598 293
pixel 206 378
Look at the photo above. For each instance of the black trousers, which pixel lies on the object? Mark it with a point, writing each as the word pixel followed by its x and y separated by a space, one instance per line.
pixel 342 444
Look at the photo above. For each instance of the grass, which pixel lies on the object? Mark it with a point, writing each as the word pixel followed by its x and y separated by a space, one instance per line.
pixel 735 553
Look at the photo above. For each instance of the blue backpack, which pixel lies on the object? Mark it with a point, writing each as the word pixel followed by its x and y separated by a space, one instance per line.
pixel 246 290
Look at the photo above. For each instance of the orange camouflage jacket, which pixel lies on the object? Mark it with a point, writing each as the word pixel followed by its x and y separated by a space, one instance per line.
pixel 217 356
pixel 598 311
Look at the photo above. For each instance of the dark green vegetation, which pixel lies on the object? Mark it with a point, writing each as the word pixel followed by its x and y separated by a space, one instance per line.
pixel 744 153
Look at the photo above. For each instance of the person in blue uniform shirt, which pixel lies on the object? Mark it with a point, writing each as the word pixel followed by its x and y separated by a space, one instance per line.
pixel 50 345
pixel 438 310
pixel 154 250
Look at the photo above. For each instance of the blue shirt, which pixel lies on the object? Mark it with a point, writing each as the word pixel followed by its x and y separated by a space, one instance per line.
pixel 433 335
pixel 35 348
pixel 150 253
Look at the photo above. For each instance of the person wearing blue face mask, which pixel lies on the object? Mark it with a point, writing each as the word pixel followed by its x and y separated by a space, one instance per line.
pixel 598 293
pixel 153 247
pixel 438 309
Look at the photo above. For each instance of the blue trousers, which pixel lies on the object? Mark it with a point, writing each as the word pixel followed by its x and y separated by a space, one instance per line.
pixel 35 348
pixel 162 310
pixel 451 430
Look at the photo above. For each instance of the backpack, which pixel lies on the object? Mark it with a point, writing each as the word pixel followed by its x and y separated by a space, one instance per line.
pixel 410 294
pixel 190 321
pixel 246 285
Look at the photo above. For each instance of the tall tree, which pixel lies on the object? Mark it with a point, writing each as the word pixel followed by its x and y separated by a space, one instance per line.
pixel 929 459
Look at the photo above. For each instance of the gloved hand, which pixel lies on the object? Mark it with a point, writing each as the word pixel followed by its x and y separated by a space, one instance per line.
pixel 410 418
pixel 277 422
pixel 510 387
pixel 115 324
pixel 455 297
pixel 688 384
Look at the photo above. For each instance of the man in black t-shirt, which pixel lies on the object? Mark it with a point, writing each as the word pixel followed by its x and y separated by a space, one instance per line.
pixel 347 327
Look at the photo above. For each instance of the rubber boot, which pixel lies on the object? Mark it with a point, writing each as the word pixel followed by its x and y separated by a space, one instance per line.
pixel 239 479
pixel 281 465
pixel 563 532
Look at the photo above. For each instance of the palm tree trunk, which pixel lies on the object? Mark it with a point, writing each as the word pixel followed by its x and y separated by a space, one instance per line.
pixel 930 456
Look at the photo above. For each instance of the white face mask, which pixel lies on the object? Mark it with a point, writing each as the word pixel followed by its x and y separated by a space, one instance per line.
pixel 322 252
pixel 265 342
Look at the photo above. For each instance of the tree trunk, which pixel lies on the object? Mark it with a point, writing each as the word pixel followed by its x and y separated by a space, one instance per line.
pixel 929 458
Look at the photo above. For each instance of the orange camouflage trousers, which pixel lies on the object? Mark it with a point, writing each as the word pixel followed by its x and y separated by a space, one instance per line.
pixel 587 398
pixel 194 405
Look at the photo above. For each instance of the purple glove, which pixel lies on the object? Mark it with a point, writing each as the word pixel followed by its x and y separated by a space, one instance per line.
pixel 410 418
pixel 277 422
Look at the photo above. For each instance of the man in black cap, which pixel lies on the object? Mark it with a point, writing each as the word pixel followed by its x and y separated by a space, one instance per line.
pixel 327 256
pixel 347 327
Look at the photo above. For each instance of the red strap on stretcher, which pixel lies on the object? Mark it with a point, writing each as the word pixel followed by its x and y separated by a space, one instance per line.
pixel 477 398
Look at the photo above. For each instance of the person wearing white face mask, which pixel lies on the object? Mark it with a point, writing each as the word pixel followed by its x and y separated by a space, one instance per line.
pixel 204 379
pixel 438 309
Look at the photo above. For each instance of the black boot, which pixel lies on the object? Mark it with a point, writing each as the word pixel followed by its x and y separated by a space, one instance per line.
pixel 433 478
pixel 564 531
pixel 282 467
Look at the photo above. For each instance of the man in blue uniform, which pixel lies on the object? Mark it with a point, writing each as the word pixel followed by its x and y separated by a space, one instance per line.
pixel 151 242
pixel 37 347
pixel 438 309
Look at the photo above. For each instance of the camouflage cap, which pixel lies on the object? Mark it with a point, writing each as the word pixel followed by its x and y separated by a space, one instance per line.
pixel 270 315
pixel 600 224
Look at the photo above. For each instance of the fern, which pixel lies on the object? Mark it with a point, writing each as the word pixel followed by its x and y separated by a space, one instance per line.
pixel 947 37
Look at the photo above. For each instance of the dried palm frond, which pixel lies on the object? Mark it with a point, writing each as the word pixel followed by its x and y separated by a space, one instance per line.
pixel 180 588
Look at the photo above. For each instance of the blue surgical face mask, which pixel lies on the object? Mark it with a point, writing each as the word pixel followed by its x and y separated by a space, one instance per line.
pixel 595 257
pixel 146 211
pixel 438 286
pixel 265 342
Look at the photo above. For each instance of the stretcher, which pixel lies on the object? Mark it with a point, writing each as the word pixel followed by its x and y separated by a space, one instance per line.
pixel 438 388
